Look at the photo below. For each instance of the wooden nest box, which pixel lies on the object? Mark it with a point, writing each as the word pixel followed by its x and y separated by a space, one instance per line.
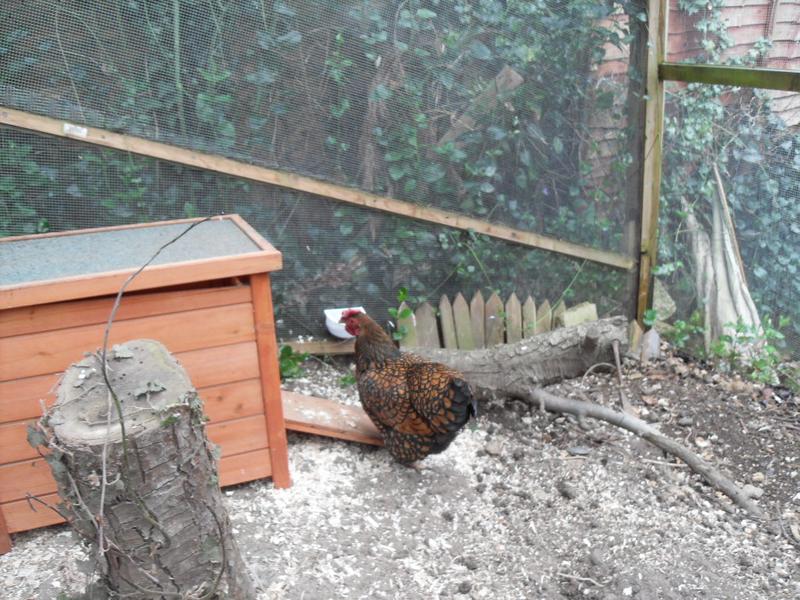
pixel 207 298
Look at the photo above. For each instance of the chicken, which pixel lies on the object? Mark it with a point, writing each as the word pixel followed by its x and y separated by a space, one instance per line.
pixel 418 406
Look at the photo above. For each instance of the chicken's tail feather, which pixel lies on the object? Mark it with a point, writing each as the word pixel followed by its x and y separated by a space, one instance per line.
pixel 464 407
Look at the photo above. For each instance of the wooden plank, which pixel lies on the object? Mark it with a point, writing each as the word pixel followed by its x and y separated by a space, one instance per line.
pixel 30 476
pixel 477 318
pixel 232 400
pixel 247 466
pixel 658 14
pixel 46 125
pixel 529 317
pixel 35 478
pixel 21 516
pixel 234 435
pixel 232 470
pixel 52 351
pixel 14 441
pixel 270 379
pixel 543 317
pixel 409 340
pixel 556 313
pixel 493 320
pixel 427 327
pixel 463 323
pixel 513 319
pixel 448 323
pixel 19 399
pixel 752 77
pixel 239 435
pixel 319 416
pixel 74 313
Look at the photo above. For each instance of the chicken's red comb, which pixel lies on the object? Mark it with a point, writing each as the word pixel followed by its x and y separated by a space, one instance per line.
pixel 351 312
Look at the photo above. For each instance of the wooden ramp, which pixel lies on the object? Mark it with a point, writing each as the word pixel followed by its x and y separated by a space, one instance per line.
pixel 319 416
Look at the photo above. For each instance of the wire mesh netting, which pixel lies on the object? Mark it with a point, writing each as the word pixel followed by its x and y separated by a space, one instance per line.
pixel 738 134
pixel 520 113
pixel 322 268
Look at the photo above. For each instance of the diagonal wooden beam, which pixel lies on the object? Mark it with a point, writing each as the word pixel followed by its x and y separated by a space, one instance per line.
pixel 324 189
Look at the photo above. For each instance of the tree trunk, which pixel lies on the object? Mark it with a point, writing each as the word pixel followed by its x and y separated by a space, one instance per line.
pixel 543 359
pixel 143 490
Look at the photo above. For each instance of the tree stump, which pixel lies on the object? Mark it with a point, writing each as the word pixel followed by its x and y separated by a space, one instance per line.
pixel 143 490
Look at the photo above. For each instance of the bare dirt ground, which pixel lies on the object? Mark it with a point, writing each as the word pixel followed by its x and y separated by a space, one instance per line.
pixel 522 505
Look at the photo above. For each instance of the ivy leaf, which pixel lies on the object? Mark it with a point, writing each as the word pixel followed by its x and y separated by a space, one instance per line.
pixel 480 50
pixel 396 171
pixel 262 76
pixel 424 13
pixel 293 38
pixel 432 173
pixel 380 92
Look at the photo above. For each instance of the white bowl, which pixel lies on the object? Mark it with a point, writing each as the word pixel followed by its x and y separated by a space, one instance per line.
pixel 332 316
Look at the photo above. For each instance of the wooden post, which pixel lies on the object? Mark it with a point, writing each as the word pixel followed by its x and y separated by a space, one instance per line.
pixel 5 538
pixel 270 377
pixel 653 139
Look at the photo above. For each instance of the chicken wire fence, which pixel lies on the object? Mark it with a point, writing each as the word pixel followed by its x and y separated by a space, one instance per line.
pixel 524 114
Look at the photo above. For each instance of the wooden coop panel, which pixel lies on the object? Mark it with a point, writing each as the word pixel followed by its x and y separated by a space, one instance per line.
pixel 211 307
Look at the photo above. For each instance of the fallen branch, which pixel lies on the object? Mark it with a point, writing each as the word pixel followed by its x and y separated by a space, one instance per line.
pixel 520 369
pixel 714 477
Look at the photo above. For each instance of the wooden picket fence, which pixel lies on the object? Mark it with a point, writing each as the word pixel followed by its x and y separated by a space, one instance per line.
pixel 480 324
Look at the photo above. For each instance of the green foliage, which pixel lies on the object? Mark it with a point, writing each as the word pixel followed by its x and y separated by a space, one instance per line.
pixel 759 161
pixel 682 332
pixel 365 101
pixel 400 331
pixel 290 362
pixel 650 317
pixel 347 380
pixel 752 351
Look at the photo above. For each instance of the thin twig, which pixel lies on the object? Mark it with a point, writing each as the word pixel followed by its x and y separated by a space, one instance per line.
pixel 623 400
pixel 635 425
pixel 585 579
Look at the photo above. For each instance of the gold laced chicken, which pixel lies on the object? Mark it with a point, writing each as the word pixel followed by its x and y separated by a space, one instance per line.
pixel 419 406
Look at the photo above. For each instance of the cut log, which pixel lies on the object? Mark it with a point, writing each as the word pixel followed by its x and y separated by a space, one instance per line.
pixel 540 360
pixel 143 490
